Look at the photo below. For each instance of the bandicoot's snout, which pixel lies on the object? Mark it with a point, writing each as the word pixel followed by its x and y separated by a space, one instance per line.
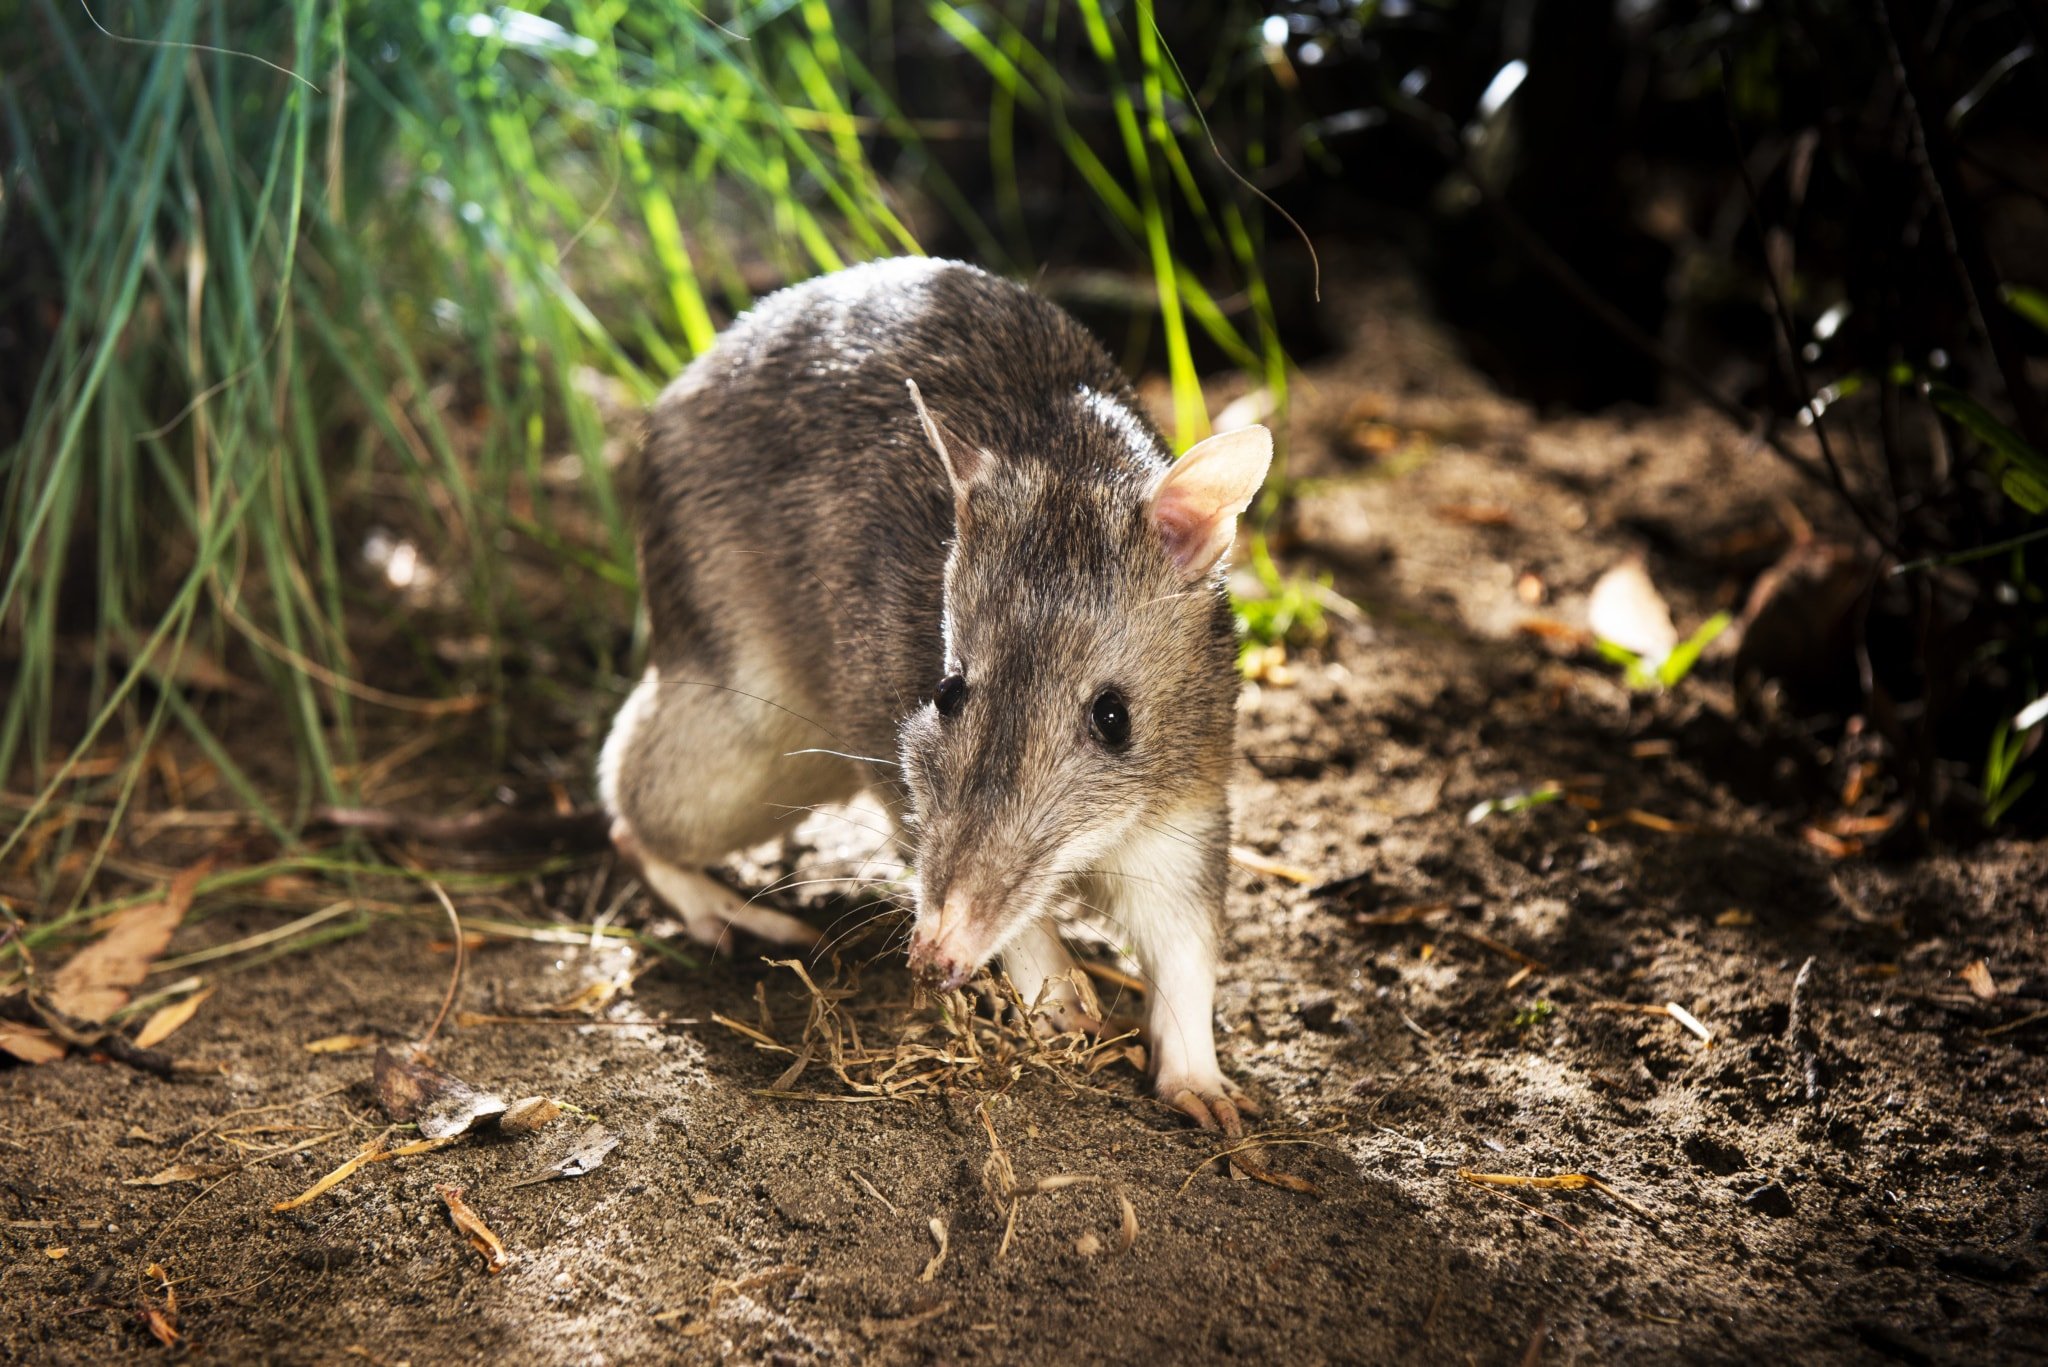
pixel 942 949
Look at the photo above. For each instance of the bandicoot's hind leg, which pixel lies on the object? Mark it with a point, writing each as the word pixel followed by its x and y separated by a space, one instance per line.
pixel 693 771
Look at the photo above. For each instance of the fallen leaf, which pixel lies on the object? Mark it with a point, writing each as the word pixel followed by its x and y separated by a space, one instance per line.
pixel 1088 1245
pixel 931 1269
pixel 369 1153
pixel 594 997
pixel 1626 609
pixel 161 1326
pixel 1832 846
pixel 55 1251
pixel 1477 514
pixel 93 984
pixel 1550 629
pixel 340 1044
pixel 167 1019
pixel 592 1147
pixel 372 1152
pixel 1978 976
pixel 170 1290
pixel 1127 1232
pixel 443 1104
pixel 496 1259
pixel 528 1115
pixel 30 1043
pixel 183 1172
pixel 1247 858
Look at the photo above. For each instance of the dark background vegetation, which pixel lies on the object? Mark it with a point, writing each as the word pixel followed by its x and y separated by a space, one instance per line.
pixel 325 332
pixel 1826 221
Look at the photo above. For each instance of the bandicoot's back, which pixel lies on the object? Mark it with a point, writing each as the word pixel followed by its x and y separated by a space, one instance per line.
pixel 905 527
pixel 789 504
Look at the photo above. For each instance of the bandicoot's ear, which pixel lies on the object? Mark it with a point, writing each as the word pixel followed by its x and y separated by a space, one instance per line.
pixel 1196 502
pixel 964 462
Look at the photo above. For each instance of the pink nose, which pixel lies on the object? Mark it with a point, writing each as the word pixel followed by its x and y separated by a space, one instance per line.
pixel 937 963
pixel 936 952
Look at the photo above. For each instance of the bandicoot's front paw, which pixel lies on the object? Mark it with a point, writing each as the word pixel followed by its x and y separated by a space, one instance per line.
pixel 1213 1102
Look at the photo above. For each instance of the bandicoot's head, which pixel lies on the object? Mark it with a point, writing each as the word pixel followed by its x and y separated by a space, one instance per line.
pixel 1086 684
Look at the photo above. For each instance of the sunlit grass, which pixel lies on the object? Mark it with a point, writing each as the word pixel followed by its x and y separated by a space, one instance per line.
pixel 390 288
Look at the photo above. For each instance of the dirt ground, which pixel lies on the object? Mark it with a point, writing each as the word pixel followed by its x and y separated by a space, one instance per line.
pixel 1413 995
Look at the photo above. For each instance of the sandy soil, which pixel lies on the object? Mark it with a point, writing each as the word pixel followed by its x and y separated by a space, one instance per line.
pixel 1380 1010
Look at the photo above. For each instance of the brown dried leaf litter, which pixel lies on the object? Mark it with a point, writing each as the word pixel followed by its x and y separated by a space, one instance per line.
pixel 496 1259
pixel 963 1047
pixel 443 1104
pixel 93 984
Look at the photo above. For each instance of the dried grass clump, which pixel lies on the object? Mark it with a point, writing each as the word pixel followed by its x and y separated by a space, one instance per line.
pixel 979 1039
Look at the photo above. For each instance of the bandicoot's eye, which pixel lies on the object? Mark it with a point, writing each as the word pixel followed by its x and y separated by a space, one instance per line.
pixel 951 692
pixel 1110 720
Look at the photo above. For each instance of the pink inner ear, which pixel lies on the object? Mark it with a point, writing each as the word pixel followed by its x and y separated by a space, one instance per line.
pixel 1184 526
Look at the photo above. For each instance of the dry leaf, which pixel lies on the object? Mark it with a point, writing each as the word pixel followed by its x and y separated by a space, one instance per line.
pixel 94 983
pixel 170 1291
pixel 1247 858
pixel 931 1269
pixel 594 997
pixel 496 1259
pixel 160 1325
pixel 592 1147
pixel 29 1043
pixel 1978 976
pixel 443 1104
pixel 370 1153
pixel 183 1172
pixel 166 1019
pixel 340 1044
pixel 55 1251
pixel 1550 629
pixel 528 1115
pixel 1088 1245
pixel 1626 609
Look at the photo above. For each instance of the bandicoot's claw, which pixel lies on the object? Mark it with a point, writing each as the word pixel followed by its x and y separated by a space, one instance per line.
pixel 1213 1111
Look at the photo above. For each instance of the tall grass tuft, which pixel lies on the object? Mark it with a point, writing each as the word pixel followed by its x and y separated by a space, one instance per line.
pixel 283 273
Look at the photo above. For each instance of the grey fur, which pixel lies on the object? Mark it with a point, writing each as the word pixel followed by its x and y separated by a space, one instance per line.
pixel 807 589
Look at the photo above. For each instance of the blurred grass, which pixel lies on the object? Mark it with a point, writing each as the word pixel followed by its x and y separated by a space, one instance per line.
pixel 293 271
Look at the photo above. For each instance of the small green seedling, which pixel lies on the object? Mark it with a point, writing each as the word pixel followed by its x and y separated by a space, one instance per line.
pixel 1516 802
pixel 1533 1015
pixel 1643 676
pixel 2003 784
pixel 1289 610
